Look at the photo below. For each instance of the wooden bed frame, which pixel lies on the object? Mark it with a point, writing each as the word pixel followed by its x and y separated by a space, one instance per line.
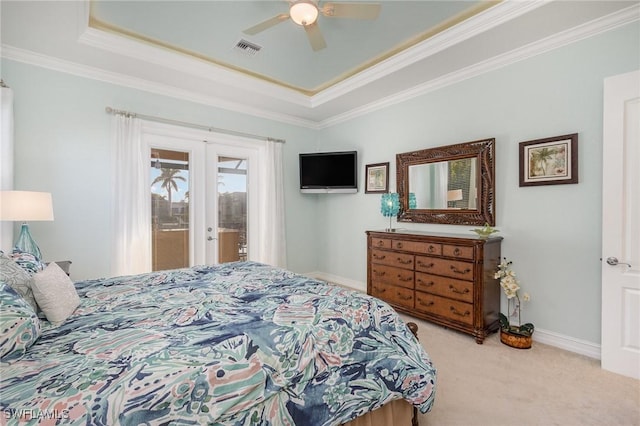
pixel 398 412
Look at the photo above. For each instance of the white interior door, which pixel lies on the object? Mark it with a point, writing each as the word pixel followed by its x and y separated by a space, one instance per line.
pixel 621 225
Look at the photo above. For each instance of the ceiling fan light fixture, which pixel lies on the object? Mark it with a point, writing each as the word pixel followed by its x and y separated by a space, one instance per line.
pixel 303 12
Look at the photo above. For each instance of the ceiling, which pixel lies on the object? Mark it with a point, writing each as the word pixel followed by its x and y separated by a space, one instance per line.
pixel 187 49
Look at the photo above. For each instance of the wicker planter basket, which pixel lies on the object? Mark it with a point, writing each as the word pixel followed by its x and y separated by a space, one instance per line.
pixel 515 340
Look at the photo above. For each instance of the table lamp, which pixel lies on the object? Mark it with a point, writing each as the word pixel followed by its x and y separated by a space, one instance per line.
pixel 26 206
pixel 389 207
pixel 453 196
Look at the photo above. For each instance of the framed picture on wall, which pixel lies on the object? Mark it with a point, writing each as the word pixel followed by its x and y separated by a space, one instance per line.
pixel 550 161
pixel 377 178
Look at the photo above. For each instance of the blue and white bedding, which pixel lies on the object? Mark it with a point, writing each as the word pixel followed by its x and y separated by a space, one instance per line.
pixel 235 344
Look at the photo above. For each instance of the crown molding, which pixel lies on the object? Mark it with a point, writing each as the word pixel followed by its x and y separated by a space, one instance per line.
pixel 188 65
pixel 465 30
pixel 85 71
pixel 581 32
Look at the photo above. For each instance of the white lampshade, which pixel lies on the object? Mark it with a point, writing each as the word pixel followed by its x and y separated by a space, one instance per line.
pixel 454 195
pixel 303 12
pixel 25 206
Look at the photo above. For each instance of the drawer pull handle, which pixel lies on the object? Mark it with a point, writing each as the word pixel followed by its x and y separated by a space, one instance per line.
pixel 429 284
pixel 380 243
pixel 379 273
pixel 424 265
pixel 399 245
pixel 404 262
pixel 431 249
pixel 459 271
pixel 456 252
pixel 457 312
pixel 455 290
pixel 427 304
pixel 405 279
pixel 378 257
pixel 401 297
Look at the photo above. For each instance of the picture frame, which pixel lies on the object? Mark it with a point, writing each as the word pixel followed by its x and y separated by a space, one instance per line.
pixel 377 178
pixel 549 161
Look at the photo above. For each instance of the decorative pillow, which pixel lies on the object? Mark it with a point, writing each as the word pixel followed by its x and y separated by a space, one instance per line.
pixel 19 324
pixel 27 261
pixel 55 293
pixel 12 274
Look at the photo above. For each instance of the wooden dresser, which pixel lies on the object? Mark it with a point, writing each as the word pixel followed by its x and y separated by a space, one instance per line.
pixel 443 278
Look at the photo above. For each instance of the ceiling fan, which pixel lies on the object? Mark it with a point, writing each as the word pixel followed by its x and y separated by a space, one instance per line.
pixel 305 13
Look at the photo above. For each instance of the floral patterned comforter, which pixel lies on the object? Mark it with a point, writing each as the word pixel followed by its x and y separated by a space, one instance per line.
pixel 234 344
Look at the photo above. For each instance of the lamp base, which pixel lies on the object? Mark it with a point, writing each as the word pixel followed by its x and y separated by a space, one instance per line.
pixel 390 230
pixel 26 244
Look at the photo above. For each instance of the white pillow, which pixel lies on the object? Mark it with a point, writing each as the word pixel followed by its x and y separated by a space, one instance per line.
pixel 55 293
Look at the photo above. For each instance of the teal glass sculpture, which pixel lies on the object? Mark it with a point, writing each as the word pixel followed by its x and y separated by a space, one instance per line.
pixel 26 244
pixel 413 203
pixel 390 206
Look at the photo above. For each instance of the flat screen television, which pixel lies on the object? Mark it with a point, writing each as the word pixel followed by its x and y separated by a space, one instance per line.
pixel 329 172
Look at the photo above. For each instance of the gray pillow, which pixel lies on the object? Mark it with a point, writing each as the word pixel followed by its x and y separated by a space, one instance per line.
pixel 55 293
pixel 12 274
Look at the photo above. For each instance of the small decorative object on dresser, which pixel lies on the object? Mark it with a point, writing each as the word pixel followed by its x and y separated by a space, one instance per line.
pixel 447 279
pixel 485 231
pixel 389 207
pixel 517 336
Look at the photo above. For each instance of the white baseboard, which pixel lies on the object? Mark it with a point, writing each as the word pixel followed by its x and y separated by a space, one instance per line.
pixel 551 338
pixel 579 346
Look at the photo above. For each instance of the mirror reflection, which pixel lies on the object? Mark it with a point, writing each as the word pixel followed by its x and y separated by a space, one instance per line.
pixel 444 185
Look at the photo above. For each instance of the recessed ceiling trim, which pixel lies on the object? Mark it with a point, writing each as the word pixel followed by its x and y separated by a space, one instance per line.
pixel 556 41
pixel 188 65
pixel 460 28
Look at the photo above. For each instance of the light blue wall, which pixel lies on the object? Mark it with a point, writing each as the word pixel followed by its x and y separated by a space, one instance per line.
pixel 62 139
pixel 552 233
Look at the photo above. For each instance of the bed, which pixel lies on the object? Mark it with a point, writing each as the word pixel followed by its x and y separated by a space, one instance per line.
pixel 234 344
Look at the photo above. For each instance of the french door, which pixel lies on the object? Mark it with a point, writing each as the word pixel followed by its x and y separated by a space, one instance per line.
pixel 202 198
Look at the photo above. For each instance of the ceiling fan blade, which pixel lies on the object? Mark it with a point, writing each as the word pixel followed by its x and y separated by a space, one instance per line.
pixel 315 36
pixel 351 10
pixel 267 24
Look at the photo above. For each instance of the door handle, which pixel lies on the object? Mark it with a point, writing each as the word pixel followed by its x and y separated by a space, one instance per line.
pixel 613 261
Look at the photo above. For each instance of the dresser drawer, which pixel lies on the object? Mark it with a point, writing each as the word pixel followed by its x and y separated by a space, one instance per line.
pixel 417 247
pixel 390 258
pixel 394 294
pixel 448 287
pixel 447 268
pixel 380 243
pixel 461 252
pixel 391 275
pixel 451 309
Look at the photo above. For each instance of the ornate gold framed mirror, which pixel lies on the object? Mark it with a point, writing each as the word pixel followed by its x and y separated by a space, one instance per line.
pixel 451 184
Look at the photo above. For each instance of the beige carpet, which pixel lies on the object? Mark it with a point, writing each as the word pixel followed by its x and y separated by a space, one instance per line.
pixel 493 384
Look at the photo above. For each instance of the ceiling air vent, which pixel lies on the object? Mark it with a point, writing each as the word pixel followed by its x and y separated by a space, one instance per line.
pixel 247 47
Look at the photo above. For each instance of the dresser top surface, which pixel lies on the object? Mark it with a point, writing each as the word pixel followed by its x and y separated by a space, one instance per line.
pixel 409 232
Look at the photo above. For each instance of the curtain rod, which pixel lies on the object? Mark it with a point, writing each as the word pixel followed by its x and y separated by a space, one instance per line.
pixel 113 111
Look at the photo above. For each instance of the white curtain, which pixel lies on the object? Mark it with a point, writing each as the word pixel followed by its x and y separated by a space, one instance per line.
pixel 441 183
pixel 273 250
pixel 6 160
pixel 131 250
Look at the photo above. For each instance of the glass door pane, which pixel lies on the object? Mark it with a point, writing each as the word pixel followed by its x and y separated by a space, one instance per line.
pixel 232 209
pixel 169 209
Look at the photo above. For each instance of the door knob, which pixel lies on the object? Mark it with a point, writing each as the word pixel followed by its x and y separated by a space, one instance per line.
pixel 210 238
pixel 613 261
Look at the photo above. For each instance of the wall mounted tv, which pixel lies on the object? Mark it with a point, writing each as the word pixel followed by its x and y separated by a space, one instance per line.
pixel 329 172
